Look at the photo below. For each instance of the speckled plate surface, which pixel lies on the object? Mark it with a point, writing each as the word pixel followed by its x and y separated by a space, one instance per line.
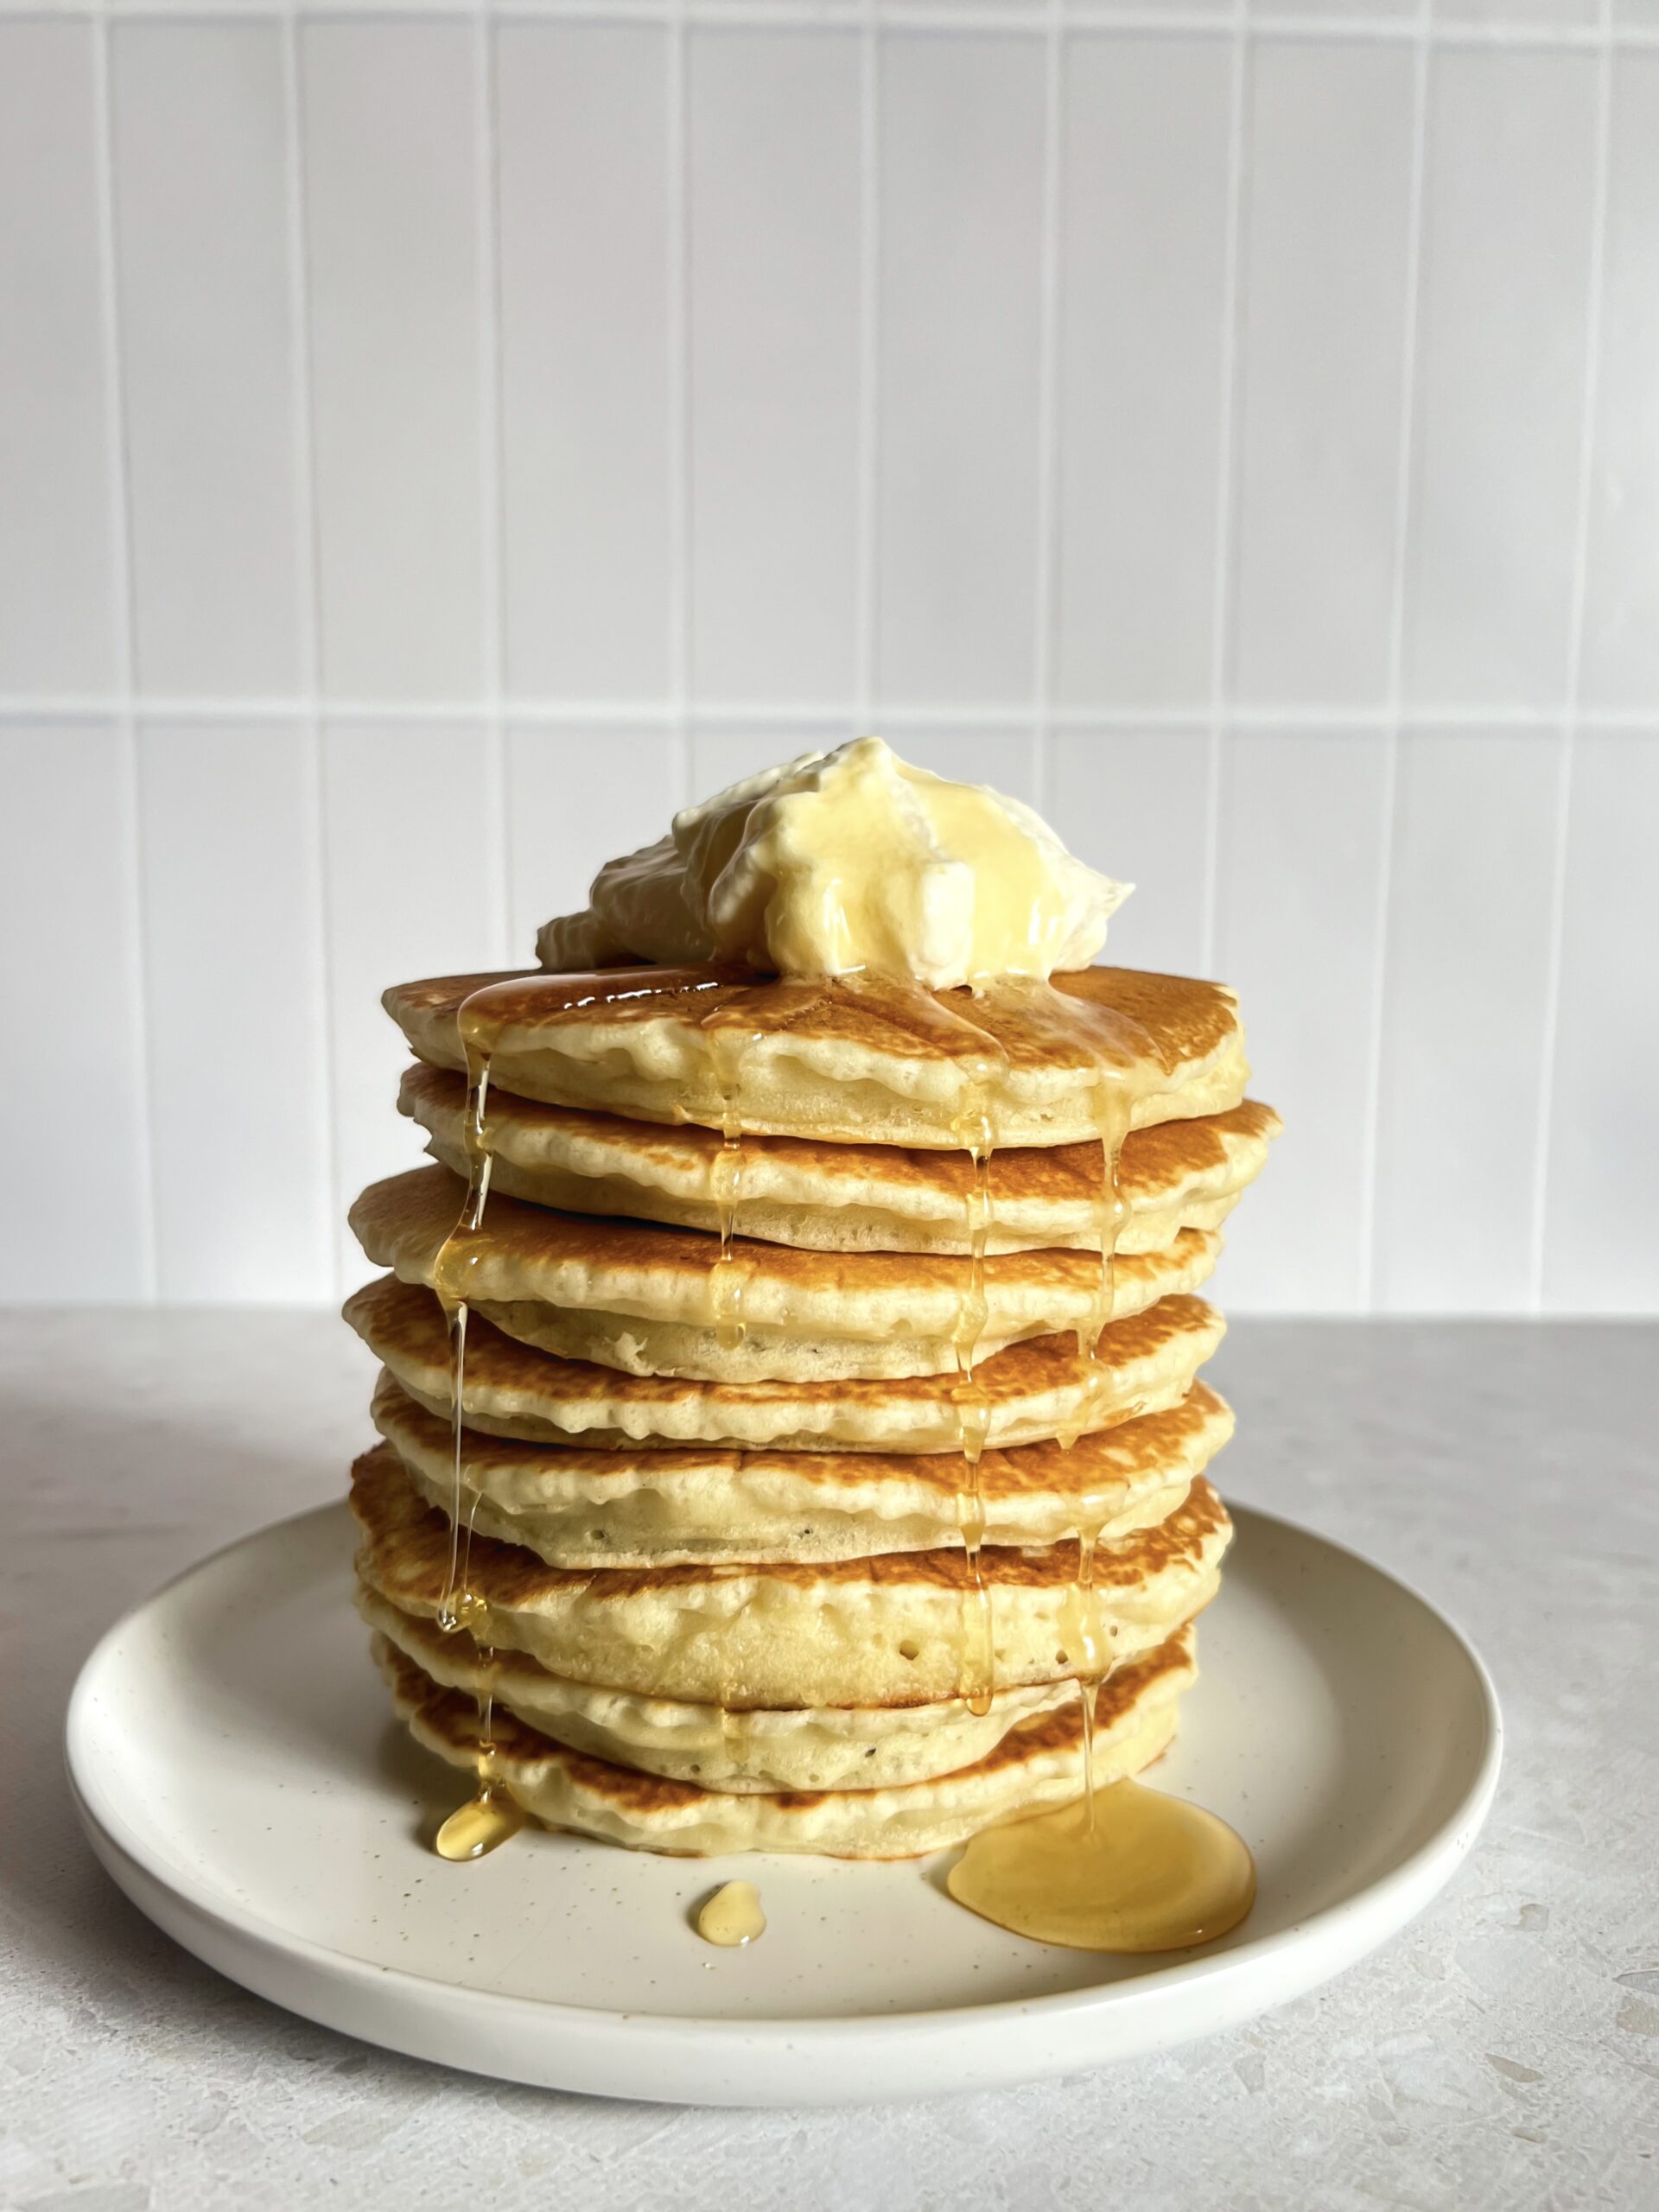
pixel 236 1773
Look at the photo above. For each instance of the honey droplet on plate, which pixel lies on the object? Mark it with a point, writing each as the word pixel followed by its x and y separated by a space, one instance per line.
pixel 732 1916
pixel 476 1827
pixel 1150 1873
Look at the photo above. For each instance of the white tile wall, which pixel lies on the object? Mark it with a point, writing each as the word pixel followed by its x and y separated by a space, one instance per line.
pixel 390 240
pixel 773 218
pixel 199 153
pixel 1502 362
pixel 1461 1086
pixel 437 441
pixel 1321 346
pixel 1621 641
pixel 583 184
pixel 1303 824
pixel 1141 348
pixel 233 903
pixel 959 172
pixel 57 559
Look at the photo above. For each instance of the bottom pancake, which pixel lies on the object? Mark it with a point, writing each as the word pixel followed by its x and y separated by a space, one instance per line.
pixel 1038 1763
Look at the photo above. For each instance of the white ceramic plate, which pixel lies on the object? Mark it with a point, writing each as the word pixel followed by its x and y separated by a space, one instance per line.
pixel 230 1751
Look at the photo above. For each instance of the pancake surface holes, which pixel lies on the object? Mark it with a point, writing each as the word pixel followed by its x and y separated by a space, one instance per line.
pixel 491 1815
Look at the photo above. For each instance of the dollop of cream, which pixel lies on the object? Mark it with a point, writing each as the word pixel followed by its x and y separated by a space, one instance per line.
pixel 844 863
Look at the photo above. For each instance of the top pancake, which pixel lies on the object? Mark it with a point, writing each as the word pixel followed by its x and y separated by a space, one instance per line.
pixel 852 1060
pixel 847 1198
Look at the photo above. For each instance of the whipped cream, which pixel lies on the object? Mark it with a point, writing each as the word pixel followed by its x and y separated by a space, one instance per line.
pixel 844 863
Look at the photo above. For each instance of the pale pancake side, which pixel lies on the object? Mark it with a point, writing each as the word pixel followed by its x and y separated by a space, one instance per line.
pixel 845 1198
pixel 806 1747
pixel 887 1631
pixel 1033 1391
pixel 643 1299
pixel 633 1506
pixel 1037 1763
pixel 855 1061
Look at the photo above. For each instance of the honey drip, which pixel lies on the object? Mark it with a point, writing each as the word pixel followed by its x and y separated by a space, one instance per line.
pixel 729 1042
pixel 1113 1105
pixel 1092 1654
pixel 732 1917
pixel 976 1667
pixel 490 1814
pixel 728 1035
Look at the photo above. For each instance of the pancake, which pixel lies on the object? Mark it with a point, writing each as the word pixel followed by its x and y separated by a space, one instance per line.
pixel 886 1630
pixel 811 1747
pixel 844 1197
pixel 852 1060
pixel 1032 1391
pixel 630 1505
pixel 1037 1763
pixel 642 1299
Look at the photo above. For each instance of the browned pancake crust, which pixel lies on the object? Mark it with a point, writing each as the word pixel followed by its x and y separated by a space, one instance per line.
pixel 453 1716
pixel 405 1324
pixel 407 1543
pixel 1169 1021
pixel 1109 1456
pixel 404 1220
pixel 1154 1160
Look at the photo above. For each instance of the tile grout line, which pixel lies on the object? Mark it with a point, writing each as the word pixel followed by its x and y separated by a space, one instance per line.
pixel 1370 1143
pixel 1595 291
pixel 491 512
pixel 869 270
pixel 818 714
pixel 1048 329
pixel 124 611
pixel 785 15
pixel 1221 586
pixel 309 563
pixel 677 166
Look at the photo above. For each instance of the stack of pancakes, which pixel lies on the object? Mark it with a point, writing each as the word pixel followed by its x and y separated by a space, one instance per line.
pixel 735 1568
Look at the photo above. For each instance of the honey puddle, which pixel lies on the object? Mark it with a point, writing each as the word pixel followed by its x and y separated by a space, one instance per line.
pixel 1123 1869
pixel 732 1916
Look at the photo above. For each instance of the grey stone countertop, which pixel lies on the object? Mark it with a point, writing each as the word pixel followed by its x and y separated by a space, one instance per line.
pixel 1503 2052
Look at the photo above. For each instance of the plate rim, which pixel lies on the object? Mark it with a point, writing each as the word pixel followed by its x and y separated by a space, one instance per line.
pixel 123 1850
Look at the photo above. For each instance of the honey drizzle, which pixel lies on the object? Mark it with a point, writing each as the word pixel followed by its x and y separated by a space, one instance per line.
pixel 729 1036
pixel 490 1814
pixel 729 1042
pixel 1095 1659
pixel 1126 1868
pixel 1113 1105
pixel 977 1659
